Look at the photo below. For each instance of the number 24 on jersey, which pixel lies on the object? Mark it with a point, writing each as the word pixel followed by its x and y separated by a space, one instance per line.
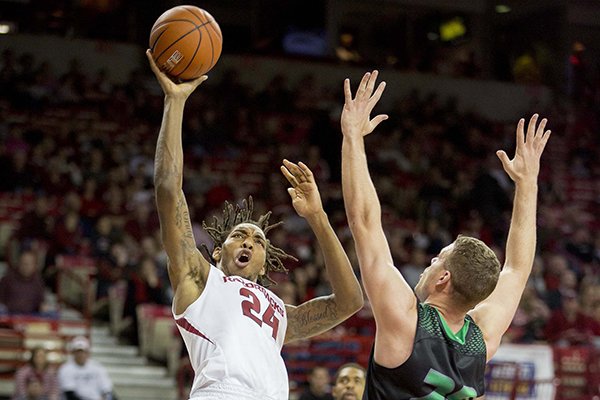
pixel 251 308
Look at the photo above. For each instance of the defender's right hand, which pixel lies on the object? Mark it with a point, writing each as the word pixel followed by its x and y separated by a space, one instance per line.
pixel 170 88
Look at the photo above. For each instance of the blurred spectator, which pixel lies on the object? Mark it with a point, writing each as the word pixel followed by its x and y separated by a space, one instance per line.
pixel 413 269
pixel 22 289
pixel 569 326
pixel 362 322
pixel 36 380
pixel 33 390
pixel 318 385
pixel 567 284
pixel 287 291
pixel 113 267
pixel 143 286
pixel 184 377
pixel 36 223
pixel 578 85
pixel 82 378
pixel 530 319
pixel 349 382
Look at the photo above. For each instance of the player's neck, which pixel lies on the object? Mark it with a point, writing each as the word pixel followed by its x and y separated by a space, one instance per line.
pixel 454 317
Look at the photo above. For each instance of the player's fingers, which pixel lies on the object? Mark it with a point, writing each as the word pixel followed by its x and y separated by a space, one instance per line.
pixel 363 85
pixel 292 192
pixel 151 61
pixel 531 128
pixel 371 82
pixel 305 170
pixel 347 91
pixel 520 133
pixel 294 170
pixel 288 175
pixel 196 82
pixel 503 158
pixel 377 120
pixel 541 128
pixel 377 95
pixel 544 140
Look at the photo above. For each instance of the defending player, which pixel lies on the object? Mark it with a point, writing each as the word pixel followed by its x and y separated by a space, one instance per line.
pixel 435 345
pixel 233 327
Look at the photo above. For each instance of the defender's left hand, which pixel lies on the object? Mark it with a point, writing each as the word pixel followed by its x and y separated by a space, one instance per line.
pixel 525 166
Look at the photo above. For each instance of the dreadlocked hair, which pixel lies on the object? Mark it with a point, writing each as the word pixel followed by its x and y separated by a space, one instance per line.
pixel 234 215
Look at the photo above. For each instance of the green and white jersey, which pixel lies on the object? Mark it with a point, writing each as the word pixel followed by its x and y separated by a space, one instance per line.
pixel 442 365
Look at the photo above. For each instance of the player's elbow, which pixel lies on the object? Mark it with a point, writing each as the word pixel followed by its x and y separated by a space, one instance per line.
pixel 351 305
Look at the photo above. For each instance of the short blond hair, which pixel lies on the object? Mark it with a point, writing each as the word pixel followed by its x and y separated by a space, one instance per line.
pixel 475 270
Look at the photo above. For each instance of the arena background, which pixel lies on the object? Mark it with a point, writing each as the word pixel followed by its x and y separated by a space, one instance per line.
pixel 80 111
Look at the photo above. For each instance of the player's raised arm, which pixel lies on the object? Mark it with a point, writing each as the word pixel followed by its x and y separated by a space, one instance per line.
pixel 186 264
pixel 494 314
pixel 390 295
pixel 322 313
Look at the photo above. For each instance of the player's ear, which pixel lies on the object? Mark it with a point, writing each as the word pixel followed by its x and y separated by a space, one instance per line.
pixel 216 254
pixel 263 270
pixel 444 277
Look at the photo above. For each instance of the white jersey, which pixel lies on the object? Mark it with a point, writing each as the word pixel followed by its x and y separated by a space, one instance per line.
pixel 234 332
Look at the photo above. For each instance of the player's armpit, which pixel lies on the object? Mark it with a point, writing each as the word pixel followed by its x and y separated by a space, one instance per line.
pixel 494 314
pixel 312 318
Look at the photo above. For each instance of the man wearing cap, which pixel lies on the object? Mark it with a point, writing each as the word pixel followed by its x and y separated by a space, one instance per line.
pixel 81 378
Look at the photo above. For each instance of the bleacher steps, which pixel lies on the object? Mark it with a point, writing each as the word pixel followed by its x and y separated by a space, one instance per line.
pixel 132 375
pixel 130 361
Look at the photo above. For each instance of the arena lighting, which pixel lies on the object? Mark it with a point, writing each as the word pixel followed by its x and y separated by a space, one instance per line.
pixel 4 29
pixel 502 9
pixel 452 29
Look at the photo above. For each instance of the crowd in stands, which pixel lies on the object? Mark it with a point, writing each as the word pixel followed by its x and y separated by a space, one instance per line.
pixel 77 151
pixel 79 378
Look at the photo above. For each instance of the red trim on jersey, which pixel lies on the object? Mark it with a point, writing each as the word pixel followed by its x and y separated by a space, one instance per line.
pixel 182 322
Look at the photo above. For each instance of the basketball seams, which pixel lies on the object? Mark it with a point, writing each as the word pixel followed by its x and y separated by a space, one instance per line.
pixel 212 47
pixel 191 11
pixel 162 23
pixel 157 39
pixel 192 57
pixel 217 31
pixel 175 42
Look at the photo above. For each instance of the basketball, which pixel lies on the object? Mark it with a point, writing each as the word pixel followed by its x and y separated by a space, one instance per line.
pixel 185 42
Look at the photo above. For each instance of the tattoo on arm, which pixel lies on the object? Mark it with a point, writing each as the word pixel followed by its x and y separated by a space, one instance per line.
pixel 312 318
pixel 182 218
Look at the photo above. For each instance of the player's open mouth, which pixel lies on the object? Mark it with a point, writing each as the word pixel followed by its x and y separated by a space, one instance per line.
pixel 243 258
pixel 349 395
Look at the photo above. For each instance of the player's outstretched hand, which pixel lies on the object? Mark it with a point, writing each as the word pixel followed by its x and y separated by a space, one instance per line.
pixel 304 192
pixel 356 115
pixel 181 90
pixel 525 166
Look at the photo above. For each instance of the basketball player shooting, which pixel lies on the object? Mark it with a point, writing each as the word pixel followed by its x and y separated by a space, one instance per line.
pixel 435 345
pixel 234 327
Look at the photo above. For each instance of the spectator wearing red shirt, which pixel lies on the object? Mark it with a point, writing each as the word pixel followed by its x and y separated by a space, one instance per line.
pixel 22 289
pixel 38 370
pixel 569 326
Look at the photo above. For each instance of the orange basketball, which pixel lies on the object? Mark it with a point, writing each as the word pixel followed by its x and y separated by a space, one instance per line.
pixel 186 42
